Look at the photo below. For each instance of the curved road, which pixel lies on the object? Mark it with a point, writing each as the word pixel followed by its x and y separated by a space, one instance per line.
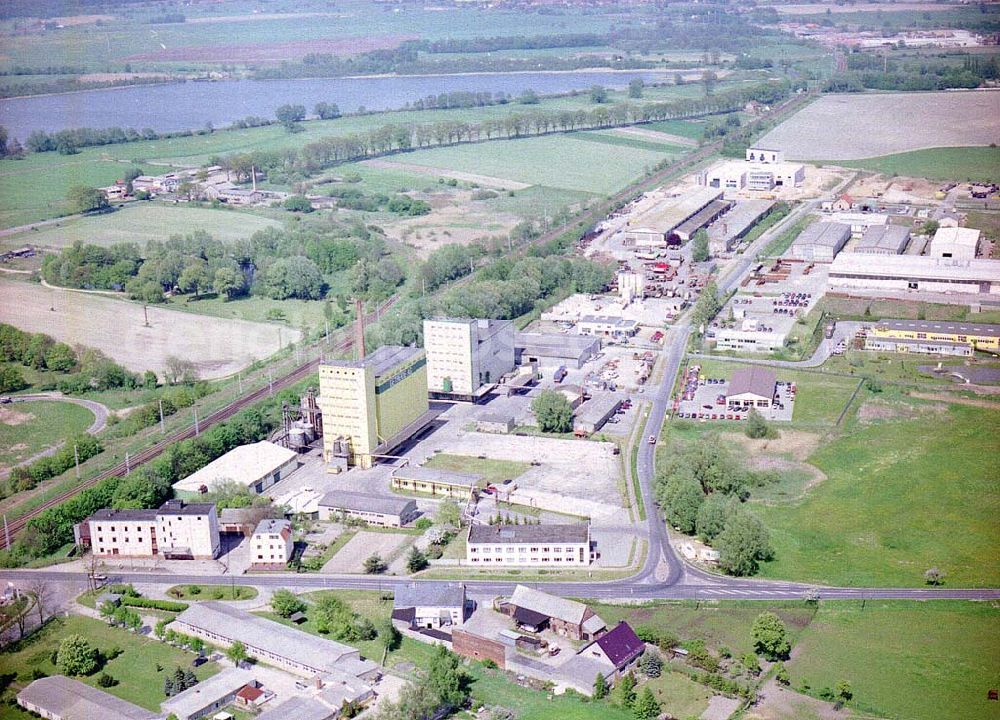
pixel 100 411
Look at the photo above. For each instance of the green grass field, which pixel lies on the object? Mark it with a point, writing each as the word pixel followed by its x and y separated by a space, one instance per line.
pixel 819 400
pixel 976 164
pixel 679 695
pixel 29 428
pixel 493 471
pixel 901 496
pixel 142 222
pixel 719 624
pixel 135 670
pixel 559 161
pixel 921 661
pixel 684 128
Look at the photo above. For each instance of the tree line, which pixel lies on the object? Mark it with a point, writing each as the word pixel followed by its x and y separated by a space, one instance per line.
pixel 292 165
pixel 275 263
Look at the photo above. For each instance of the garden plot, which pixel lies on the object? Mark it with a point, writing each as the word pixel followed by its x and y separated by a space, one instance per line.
pixel 852 127
pixel 217 347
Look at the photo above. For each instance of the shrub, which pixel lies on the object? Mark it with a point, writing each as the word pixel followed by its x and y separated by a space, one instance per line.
pixel 167 605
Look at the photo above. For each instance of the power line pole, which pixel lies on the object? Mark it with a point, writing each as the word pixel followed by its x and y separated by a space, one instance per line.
pixel 163 427
pixel 128 469
pixel 196 429
pixel 76 457
pixel 6 532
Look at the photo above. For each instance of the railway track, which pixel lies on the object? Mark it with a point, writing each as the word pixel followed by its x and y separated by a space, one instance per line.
pixel 616 200
pixel 14 527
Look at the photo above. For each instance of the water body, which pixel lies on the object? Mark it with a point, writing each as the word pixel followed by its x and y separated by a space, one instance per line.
pixel 190 105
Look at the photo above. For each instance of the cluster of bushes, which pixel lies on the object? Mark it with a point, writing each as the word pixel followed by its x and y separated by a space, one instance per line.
pixel 26 477
pixel 181 680
pixel 153 603
pixel 334 617
pixel 172 399
pixel 702 488
pixel 352 198
pixel 869 71
pixel 82 370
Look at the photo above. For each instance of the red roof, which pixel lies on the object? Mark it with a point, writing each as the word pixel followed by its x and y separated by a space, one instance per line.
pixel 249 693
pixel 621 644
pixel 847 198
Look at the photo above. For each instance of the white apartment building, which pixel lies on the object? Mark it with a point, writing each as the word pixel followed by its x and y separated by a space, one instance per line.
pixel 177 531
pixel 271 545
pixel 529 545
pixel 463 354
pixel 123 533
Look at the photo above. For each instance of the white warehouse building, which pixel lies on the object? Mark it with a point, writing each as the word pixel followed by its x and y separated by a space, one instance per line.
pixel 820 242
pixel 465 355
pixel 910 273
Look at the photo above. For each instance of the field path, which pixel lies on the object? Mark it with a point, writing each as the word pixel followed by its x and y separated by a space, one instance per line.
pixel 496 182
pixel 100 411
pixel 656 135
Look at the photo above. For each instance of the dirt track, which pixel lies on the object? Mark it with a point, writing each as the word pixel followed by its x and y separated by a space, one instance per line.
pixel 273 52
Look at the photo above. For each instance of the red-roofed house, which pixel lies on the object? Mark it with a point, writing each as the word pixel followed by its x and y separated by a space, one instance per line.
pixel 842 204
pixel 249 696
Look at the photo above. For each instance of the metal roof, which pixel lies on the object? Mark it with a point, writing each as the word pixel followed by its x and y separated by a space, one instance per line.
pixel 381 360
pixel 598 408
pixel 207 692
pixel 754 381
pixel 427 594
pixel 70 699
pixel 245 464
pixel 364 502
pixel 670 213
pixel 560 608
pixel 891 238
pixel 913 267
pixel 510 534
pixel 272 526
pixel 942 326
pixel 737 220
pixel 824 234
pixel 556 345
pixel 252 630
pixel 300 708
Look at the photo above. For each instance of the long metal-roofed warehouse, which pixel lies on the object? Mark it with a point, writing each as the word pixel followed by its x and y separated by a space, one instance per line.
pixel 552 350
pixel 821 241
pixel 883 240
pixel 724 233
pixel 908 273
pixel 655 227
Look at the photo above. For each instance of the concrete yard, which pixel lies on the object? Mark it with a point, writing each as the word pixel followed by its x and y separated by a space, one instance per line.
pixel 351 558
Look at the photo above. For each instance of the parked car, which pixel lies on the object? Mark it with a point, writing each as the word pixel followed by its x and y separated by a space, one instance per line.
pixel 652 439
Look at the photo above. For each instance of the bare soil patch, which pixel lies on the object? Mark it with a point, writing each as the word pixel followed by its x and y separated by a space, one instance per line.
pixel 834 8
pixel 958 400
pixel 501 183
pixel 273 52
pixel 351 557
pixel 218 347
pixel 780 703
pixel 655 135
pixel 854 127
pixel 875 410
pixel 795 443
pixel 9 416
pixel 454 219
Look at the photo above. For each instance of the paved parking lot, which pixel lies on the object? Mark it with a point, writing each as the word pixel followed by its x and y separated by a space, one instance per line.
pixel 709 403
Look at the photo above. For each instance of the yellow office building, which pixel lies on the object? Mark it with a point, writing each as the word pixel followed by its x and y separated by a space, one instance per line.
pixel 371 405
pixel 939 337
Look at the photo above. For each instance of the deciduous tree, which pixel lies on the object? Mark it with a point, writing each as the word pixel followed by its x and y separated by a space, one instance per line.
pixel 769 636
pixel 553 412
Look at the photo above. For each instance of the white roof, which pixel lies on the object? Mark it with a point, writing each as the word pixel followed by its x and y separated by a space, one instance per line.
pixel 966 237
pixel 207 692
pixel 245 464
pixel 915 268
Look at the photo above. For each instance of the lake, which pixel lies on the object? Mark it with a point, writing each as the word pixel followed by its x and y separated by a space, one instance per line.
pixel 190 105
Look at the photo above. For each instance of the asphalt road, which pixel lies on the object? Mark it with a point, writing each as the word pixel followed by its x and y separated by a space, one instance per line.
pixel 663 576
